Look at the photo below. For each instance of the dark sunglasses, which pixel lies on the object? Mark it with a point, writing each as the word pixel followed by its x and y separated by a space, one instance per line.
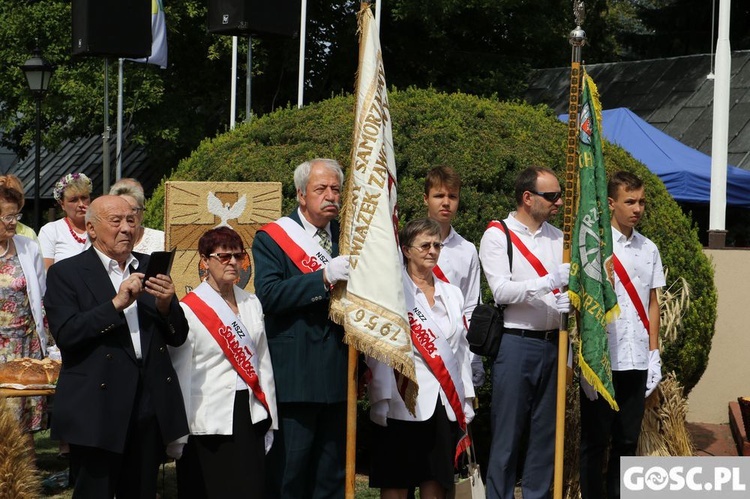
pixel 551 196
pixel 225 258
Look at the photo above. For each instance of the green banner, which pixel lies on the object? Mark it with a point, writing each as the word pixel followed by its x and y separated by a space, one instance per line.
pixel 591 284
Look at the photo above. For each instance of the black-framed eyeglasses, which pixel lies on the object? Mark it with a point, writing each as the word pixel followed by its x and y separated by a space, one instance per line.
pixel 551 196
pixel 425 247
pixel 11 218
pixel 225 258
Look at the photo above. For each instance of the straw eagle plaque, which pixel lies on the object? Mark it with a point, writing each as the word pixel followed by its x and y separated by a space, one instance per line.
pixel 192 208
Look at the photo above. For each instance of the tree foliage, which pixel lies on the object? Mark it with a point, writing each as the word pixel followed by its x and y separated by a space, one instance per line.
pixel 479 47
pixel 488 142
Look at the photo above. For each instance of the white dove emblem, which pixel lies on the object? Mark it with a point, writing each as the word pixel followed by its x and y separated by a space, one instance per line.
pixel 224 211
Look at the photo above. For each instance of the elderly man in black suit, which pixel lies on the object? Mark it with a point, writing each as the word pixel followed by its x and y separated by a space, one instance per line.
pixel 118 401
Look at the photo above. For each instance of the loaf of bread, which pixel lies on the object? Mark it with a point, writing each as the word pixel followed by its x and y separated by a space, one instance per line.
pixel 29 372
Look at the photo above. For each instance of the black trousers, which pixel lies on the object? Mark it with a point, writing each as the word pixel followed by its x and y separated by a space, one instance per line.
pixel 101 474
pixel 599 422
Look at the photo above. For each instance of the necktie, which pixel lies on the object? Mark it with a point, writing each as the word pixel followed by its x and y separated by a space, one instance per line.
pixel 325 240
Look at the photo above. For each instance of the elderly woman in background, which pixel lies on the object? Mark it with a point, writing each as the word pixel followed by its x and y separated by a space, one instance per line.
pixel 418 451
pixel 15 183
pixel 67 237
pixel 146 240
pixel 22 286
pixel 226 379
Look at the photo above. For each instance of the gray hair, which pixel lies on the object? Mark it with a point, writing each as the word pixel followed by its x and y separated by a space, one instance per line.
pixel 414 228
pixel 302 172
pixel 129 187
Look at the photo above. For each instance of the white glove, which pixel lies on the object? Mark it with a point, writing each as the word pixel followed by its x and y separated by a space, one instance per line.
pixel 268 440
pixel 477 370
pixel 558 278
pixel 588 390
pixel 379 412
pixel 337 270
pixel 54 353
pixel 174 449
pixel 562 303
pixel 654 371
pixel 469 409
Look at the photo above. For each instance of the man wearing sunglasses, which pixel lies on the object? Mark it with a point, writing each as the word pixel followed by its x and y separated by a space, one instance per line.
pixel 524 373
pixel 458 263
pixel 296 265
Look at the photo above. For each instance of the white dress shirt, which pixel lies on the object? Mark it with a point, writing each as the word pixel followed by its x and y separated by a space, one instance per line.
pixel 459 262
pixel 529 299
pixel 628 338
pixel 312 230
pixel 131 312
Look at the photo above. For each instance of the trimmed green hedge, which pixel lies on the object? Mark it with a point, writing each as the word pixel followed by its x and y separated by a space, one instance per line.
pixel 488 142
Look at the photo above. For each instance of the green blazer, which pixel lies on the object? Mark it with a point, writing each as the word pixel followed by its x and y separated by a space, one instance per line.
pixel 308 354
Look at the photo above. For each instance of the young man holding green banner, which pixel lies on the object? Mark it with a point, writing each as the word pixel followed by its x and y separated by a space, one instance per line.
pixel 633 344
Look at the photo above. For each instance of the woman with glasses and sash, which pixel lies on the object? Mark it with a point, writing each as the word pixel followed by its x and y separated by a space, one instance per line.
pixel 22 286
pixel 420 450
pixel 225 373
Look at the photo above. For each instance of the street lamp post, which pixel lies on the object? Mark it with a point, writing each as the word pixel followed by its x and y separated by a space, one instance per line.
pixel 38 74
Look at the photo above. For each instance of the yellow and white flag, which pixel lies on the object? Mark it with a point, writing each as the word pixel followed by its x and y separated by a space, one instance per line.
pixel 371 306
pixel 158 36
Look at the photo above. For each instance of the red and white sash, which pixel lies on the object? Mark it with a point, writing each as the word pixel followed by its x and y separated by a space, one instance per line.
pixel 230 333
pixel 622 274
pixel 532 259
pixel 297 244
pixel 438 356
pixel 440 274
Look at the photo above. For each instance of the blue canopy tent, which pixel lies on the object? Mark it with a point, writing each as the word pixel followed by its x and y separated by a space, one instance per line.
pixel 685 171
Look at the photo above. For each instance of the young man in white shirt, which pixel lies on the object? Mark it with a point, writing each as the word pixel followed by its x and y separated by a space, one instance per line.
pixel 458 263
pixel 633 345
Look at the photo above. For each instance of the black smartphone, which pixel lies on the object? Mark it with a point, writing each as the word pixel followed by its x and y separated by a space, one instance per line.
pixel 160 262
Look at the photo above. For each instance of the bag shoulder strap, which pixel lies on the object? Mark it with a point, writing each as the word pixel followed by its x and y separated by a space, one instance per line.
pixel 509 245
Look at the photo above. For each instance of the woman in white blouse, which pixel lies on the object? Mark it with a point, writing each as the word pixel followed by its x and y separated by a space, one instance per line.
pixel 225 373
pixel 418 450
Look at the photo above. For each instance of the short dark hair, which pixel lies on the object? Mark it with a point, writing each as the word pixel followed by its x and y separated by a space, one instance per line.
pixel 442 176
pixel 10 195
pixel 629 181
pixel 413 228
pixel 217 238
pixel 526 181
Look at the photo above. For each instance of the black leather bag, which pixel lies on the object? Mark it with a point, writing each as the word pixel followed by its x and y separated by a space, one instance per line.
pixel 486 330
pixel 486 327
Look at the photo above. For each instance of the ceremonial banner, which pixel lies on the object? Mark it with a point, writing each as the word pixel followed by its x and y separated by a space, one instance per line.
pixel 192 208
pixel 591 284
pixel 371 306
pixel 158 36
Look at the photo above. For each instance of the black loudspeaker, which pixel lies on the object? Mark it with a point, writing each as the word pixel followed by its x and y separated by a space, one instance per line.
pixel 254 17
pixel 112 28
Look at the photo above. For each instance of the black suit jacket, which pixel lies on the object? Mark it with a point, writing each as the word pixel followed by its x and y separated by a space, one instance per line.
pixel 307 350
pixel 97 390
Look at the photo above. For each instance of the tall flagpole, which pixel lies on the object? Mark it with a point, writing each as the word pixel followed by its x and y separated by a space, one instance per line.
pixel 720 134
pixel 302 40
pixel 577 39
pixel 105 136
pixel 118 153
pixel 233 86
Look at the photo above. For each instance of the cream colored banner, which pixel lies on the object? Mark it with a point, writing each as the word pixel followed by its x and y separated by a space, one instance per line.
pixel 192 208
pixel 371 306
